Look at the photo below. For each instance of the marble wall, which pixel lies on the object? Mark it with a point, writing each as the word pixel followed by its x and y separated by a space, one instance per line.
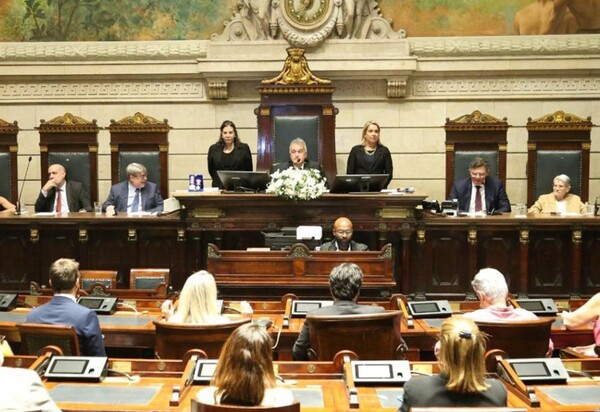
pixel 410 86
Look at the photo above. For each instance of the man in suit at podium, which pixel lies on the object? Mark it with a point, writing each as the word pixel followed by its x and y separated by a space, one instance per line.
pixel 63 309
pixel 134 195
pixel 298 158
pixel 480 192
pixel 342 231
pixel 345 281
pixel 60 195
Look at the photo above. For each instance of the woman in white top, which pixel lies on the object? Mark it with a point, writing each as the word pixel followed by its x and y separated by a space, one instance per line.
pixel 560 200
pixel 244 375
pixel 197 302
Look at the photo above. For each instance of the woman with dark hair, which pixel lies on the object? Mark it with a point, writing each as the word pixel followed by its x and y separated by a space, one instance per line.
pixel 244 375
pixel 462 379
pixel 370 157
pixel 228 153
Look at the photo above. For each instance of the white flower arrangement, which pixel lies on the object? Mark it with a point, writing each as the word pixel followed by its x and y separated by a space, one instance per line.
pixel 296 184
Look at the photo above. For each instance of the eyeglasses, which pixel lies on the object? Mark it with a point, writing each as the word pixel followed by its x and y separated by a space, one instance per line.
pixel 299 151
pixel 344 232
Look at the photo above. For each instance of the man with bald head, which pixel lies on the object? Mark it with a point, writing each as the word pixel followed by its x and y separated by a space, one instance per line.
pixel 342 231
pixel 61 196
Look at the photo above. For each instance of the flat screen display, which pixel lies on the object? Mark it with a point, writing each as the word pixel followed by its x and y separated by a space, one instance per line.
pixel 240 181
pixel 206 370
pixel 69 366
pixel 530 369
pixel 359 183
pixel 531 305
pixel 2 297
pixel 91 303
pixel 374 371
pixel 306 306
pixel 425 307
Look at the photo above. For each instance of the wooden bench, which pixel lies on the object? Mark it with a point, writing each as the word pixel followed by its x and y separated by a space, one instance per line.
pixel 269 274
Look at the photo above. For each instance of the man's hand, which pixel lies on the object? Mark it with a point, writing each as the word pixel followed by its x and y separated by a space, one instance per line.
pixel 110 210
pixel 49 185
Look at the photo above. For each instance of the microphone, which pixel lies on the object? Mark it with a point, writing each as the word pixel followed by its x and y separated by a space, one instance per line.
pixel 18 209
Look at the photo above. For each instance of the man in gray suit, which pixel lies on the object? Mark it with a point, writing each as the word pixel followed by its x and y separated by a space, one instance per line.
pixel 22 390
pixel 342 231
pixel 345 281
pixel 134 195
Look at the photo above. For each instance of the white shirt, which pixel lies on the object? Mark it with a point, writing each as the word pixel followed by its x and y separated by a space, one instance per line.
pixel 131 195
pixel 474 195
pixel 64 206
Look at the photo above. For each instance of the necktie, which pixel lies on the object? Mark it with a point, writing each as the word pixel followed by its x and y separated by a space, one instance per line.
pixel 58 201
pixel 478 199
pixel 136 201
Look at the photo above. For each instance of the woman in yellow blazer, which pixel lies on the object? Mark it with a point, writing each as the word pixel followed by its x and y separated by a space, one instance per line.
pixel 560 200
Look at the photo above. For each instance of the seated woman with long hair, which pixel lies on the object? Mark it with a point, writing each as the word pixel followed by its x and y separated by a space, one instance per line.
pixel 462 379
pixel 198 302
pixel 244 375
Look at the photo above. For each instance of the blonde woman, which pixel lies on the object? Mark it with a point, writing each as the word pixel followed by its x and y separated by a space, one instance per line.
pixel 370 157
pixel 197 302
pixel 462 379
pixel 244 375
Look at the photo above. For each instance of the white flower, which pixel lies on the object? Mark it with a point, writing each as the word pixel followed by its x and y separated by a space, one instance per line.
pixel 296 184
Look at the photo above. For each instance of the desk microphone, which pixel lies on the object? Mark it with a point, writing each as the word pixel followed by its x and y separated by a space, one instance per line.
pixel 18 209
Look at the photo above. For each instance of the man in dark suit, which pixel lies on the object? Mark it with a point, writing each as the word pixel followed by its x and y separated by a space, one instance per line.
pixel 72 196
pixel 345 281
pixel 480 192
pixel 298 159
pixel 342 231
pixel 135 194
pixel 64 310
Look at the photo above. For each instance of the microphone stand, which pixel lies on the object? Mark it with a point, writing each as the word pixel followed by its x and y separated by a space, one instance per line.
pixel 18 208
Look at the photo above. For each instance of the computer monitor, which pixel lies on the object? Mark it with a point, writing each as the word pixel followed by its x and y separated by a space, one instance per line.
pixel 242 181
pixel 430 309
pixel 358 183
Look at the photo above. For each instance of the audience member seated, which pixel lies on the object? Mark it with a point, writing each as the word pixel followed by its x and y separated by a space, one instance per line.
pixel 228 153
pixel 298 159
pixel 345 281
pixel 461 381
pixel 6 206
pixel 134 195
pixel 342 231
pixel 560 200
pixel 492 291
pixel 244 375
pixel 589 312
pixel 480 192
pixel 59 195
pixel 64 310
pixel 22 390
pixel 370 157
pixel 198 302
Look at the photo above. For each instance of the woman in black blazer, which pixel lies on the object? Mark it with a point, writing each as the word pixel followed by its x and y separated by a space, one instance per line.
pixel 228 153
pixel 370 157
pixel 462 379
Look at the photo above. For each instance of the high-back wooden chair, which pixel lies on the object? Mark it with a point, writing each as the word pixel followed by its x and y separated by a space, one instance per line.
pixel 148 278
pixel 36 336
pixel 173 340
pixel 369 336
pixel 558 143
pixel 475 135
pixel 89 278
pixel 8 160
pixel 517 339
pixel 202 407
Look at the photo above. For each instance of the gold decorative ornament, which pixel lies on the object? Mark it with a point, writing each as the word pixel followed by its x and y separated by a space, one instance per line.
pixel 296 70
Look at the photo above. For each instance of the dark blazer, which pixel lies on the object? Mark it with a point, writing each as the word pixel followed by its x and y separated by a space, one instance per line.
pixel 495 195
pixel 242 160
pixel 340 307
pixel 151 201
pixel 431 391
pixel 354 246
pixel 381 162
pixel 77 198
pixel 63 311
